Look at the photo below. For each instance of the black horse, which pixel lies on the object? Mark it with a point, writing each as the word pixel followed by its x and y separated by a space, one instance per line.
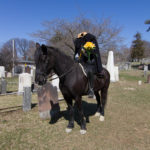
pixel 73 82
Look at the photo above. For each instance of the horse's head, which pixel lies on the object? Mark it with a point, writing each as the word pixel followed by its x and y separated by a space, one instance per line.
pixel 44 63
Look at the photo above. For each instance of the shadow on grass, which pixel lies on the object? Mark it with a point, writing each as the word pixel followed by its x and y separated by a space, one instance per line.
pixel 88 108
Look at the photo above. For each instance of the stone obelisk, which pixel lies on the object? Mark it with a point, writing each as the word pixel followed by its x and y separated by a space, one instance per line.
pixel 110 66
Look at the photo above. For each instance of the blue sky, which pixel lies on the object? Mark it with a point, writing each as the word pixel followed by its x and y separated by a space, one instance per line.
pixel 19 18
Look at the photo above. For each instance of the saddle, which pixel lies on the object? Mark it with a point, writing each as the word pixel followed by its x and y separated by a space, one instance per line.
pixel 85 71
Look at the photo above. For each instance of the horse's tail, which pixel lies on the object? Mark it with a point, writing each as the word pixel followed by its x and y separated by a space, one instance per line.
pixel 104 91
pixel 107 78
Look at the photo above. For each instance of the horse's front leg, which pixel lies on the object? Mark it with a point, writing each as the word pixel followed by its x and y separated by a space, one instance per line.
pixel 70 125
pixel 99 108
pixel 81 114
pixel 103 100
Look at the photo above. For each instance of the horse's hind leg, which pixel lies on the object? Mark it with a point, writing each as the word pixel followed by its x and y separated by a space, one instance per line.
pixel 103 101
pixel 99 108
pixel 70 125
pixel 81 114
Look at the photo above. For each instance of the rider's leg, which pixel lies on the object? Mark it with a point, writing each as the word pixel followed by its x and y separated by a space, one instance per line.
pixel 99 65
pixel 91 84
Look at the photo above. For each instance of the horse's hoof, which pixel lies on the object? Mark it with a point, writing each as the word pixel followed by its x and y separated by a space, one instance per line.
pixel 68 130
pixel 82 131
pixel 102 118
pixel 97 114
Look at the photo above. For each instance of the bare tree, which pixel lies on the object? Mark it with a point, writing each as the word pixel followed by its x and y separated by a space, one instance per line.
pixel 23 47
pixel 31 50
pixel 7 55
pixel 61 33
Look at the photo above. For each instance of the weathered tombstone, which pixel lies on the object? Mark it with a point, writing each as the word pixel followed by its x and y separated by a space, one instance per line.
pixel 26 99
pixel 48 101
pixel 33 74
pixel 110 66
pixel 148 79
pixel 139 82
pixel 9 74
pixel 55 82
pixel 24 81
pixel 116 69
pixel 145 70
pixel 2 71
pixel 25 87
pixel 126 67
pixel 3 86
pixel 33 77
pixel 129 65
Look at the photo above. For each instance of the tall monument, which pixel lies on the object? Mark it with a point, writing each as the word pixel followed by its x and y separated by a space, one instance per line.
pixel 110 66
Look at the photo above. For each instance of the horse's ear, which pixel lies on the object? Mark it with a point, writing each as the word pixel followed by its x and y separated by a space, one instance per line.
pixel 37 45
pixel 44 49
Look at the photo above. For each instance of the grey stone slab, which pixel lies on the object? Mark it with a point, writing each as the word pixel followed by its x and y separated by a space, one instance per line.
pixel 27 99
pixel 48 101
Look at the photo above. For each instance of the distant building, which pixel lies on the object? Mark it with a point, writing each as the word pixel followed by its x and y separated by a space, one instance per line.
pixel 24 66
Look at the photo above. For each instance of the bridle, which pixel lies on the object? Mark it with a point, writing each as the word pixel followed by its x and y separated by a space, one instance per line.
pixel 62 75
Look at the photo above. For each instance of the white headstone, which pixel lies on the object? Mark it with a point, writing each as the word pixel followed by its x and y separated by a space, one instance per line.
pixel 24 81
pixel 110 66
pixel 33 73
pixel 2 71
pixel 9 74
pixel 116 73
pixel 145 70
pixel 55 82
pixel 139 82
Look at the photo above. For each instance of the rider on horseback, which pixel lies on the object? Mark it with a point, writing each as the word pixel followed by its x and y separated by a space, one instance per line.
pixel 87 52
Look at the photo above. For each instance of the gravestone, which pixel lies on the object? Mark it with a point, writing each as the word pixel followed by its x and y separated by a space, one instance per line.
pixel 48 101
pixel 33 77
pixel 26 99
pixel 33 74
pixel 3 86
pixel 116 70
pixel 145 70
pixel 9 74
pixel 2 72
pixel 148 79
pixel 110 66
pixel 126 66
pixel 24 81
pixel 55 82
pixel 139 82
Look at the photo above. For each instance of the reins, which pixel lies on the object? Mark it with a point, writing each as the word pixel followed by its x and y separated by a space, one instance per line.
pixel 60 75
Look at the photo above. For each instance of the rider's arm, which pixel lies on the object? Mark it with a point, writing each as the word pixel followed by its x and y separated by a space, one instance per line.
pixel 77 44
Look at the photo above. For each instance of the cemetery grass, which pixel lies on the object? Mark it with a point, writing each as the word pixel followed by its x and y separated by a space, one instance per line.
pixel 126 125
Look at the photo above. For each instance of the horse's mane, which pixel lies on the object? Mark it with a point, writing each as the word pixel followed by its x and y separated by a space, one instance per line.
pixel 61 55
